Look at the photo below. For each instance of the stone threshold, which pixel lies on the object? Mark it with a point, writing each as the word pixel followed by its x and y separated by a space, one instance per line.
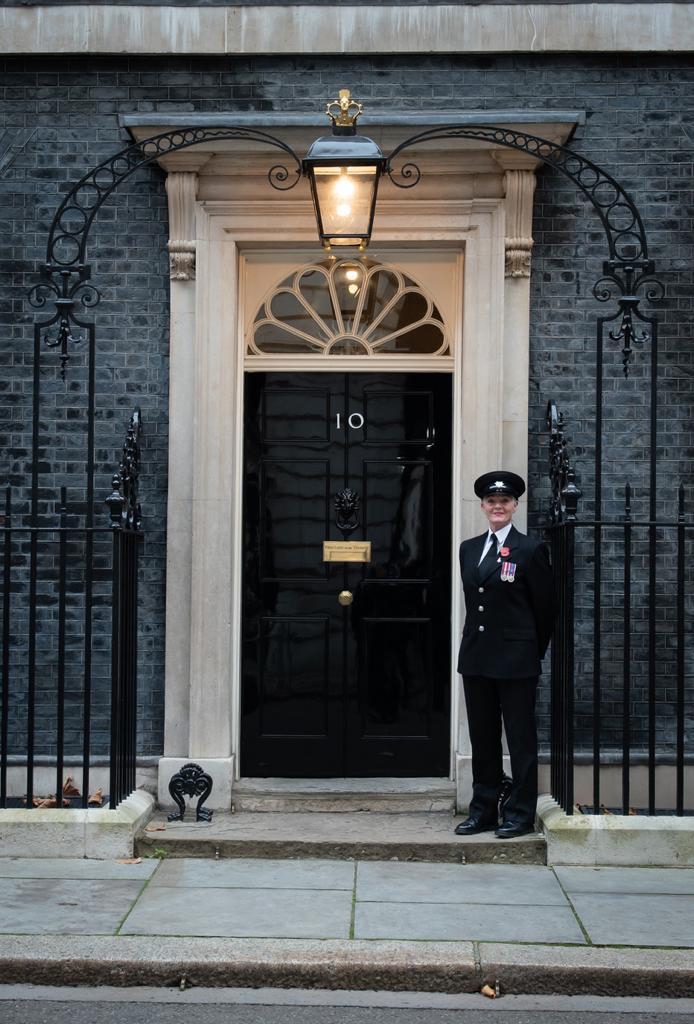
pixel 386 795
pixel 362 835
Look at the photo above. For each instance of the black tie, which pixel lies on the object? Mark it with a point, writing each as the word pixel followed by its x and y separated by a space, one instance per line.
pixel 489 560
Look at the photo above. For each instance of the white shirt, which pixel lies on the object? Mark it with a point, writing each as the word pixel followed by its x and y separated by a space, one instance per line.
pixel 499 537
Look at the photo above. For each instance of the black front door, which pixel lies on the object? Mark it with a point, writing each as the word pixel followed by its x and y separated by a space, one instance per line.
pixel 361 688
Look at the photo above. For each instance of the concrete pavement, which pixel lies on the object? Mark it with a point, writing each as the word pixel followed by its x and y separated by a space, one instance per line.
pixel 348 924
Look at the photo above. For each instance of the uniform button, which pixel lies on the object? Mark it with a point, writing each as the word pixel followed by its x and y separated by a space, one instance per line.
pixel 480 608
pixel 481 590
pixel 481 629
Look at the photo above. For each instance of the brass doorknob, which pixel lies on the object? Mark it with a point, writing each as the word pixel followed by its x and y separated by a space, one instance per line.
pixel 345 597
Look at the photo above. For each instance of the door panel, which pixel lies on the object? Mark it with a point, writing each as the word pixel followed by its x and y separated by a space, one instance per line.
pixel 361 690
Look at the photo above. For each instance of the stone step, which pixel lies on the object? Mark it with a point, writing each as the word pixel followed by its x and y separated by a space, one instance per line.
pixel 360 835
pixel 394 796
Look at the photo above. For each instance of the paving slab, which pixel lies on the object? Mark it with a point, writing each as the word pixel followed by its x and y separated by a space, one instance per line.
pixel 479 921
pixel 458 883
pixel 257 913
pixel 674 881
pixel 64 906
pixel 64 867
pixel 256 874
pixel 636 920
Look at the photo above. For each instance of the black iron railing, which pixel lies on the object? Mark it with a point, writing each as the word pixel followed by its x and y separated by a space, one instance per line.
pixel 68 697
pixel 622 680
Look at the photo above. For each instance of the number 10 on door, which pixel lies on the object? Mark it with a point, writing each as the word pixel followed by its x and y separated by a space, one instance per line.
pixel 355 421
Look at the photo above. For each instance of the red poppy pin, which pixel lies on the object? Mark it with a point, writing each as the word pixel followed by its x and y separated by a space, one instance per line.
pixel 504 552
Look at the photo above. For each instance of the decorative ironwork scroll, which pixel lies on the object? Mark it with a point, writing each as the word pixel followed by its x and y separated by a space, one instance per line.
pixel 627 280
pixel 66 291
pixel 192 781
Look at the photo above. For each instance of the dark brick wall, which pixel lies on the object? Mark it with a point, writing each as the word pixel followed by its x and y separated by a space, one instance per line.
pixel 61 115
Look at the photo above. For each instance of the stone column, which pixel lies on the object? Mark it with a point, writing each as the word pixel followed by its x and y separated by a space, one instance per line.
pixel 199 692
pixel 181 188
pixel 196 723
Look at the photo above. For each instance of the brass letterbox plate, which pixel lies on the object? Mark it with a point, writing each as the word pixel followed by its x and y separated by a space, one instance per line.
pixel 346 550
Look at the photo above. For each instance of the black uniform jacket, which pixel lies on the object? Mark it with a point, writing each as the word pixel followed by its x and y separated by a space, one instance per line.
pixel 508 624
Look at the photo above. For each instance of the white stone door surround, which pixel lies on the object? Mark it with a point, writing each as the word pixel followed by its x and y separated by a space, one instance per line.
pixel 472 200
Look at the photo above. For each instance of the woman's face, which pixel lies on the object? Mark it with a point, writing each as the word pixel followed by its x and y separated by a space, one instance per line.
pixel 499 509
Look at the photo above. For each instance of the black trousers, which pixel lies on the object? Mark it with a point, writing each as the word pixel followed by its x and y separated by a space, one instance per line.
pixel 489 701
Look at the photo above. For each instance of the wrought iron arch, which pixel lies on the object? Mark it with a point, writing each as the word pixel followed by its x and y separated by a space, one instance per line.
pixel 628 270
pixel 614 206
pixel 84 199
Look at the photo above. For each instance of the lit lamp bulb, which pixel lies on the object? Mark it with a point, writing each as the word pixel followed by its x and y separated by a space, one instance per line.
pixel 344 190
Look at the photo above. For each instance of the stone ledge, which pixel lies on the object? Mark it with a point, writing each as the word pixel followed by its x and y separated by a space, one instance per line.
pixel 97 832
pixel 614 839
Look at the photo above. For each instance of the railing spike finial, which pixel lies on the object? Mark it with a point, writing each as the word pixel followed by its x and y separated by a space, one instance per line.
pixel 563 504
pixel 122 503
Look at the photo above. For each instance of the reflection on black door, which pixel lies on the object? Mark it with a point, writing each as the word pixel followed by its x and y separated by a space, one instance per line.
pixel 360 689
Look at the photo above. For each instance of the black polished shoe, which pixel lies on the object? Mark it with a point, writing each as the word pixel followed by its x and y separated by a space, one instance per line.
pixel 513 829
pixel 472 826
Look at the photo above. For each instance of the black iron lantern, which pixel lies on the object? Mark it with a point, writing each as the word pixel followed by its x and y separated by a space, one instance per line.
pixel 343 169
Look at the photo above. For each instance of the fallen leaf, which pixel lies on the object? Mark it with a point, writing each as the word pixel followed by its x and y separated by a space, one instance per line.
pixel 69 788
pixel 488 991
pixel 129 860
pixel 45 801
pixel 97 798
pixel 155 827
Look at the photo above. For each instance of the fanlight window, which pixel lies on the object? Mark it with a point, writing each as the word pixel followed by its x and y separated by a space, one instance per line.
pixel 348 307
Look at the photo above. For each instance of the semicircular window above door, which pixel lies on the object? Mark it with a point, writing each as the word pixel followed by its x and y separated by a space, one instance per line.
pixel 348 307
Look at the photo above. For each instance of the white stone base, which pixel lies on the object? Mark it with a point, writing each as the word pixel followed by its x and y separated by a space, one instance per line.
pixel 221 769
pixel 615 839
pixel 95 832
